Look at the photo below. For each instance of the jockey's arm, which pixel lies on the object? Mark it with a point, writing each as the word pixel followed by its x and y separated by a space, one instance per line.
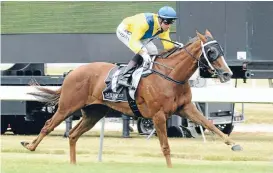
pixel 166 35
pixel 137 34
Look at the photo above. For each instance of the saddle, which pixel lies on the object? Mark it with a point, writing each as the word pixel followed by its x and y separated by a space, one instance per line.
pixel 117 93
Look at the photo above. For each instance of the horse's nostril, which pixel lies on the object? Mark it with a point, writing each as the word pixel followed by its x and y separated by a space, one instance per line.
pixel 227 74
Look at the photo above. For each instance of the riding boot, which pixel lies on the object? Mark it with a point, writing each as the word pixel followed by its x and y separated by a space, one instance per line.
pixel 130 67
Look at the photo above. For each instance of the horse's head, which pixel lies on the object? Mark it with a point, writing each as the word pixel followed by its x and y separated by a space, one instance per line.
pixel 213 57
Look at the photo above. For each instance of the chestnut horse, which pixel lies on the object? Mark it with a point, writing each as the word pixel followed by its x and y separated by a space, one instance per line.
pixel 156 97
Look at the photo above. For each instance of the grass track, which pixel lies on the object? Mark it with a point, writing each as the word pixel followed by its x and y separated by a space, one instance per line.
pixel 138 155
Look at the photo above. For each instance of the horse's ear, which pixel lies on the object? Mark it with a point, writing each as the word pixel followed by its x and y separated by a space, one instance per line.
pixel 197 33
pixel 202 38
pixel 207 33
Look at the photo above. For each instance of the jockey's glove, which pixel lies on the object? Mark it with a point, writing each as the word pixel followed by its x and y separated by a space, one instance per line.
pixel 146 60
pixel 178 44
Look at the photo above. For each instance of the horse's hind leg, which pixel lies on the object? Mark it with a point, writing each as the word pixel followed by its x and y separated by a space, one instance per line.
pixel 90 117
pixel 49 126
pixel 190 111
pixel 76 126
pixel 72 97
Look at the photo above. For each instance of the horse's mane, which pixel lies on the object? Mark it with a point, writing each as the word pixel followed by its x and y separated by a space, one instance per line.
pixel 191 40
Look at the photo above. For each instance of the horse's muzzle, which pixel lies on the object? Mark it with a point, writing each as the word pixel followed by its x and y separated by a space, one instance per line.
pixel 225 77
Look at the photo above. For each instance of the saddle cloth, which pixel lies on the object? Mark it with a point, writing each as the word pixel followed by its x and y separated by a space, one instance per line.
pixel 114 92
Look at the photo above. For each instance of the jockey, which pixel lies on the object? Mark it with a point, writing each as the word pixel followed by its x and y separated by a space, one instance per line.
pixel 135 31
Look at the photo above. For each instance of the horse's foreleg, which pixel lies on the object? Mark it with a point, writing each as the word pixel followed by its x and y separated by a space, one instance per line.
pixel 190 111
pixel 160 124
pixel 87 122
pixel 49 126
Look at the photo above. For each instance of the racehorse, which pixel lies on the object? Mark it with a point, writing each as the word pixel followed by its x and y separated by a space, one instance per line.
pixel 157 97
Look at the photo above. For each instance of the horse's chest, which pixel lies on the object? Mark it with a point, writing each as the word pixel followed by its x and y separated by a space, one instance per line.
pixel 167 102
pixel 168 99
pixel 174 102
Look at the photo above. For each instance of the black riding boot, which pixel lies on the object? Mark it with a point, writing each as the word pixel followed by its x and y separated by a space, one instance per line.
pixel 130 67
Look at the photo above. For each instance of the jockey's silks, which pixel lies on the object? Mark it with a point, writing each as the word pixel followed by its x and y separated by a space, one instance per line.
pixel 143 26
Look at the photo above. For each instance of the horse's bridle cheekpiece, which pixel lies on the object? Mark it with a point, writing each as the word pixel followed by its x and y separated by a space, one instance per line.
pixel 211 51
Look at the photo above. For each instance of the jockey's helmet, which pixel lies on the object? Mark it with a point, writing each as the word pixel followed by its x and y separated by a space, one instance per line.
pixel 167 13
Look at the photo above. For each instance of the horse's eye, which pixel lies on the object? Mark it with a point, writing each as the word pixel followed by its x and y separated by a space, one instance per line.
pixel 211 52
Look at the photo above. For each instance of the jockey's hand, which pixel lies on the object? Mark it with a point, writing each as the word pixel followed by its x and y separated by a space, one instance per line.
pixel 146 60
pixel 178 44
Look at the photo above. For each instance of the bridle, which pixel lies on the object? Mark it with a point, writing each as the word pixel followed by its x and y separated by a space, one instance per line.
pixel 211 51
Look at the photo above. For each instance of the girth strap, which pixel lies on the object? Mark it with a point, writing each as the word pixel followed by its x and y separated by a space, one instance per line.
pixel 133 105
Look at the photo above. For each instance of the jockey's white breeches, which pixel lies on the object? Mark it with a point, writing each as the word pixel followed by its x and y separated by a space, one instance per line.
pixel 125 36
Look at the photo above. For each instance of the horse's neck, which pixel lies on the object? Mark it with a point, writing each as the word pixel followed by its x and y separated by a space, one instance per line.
pixel 186 65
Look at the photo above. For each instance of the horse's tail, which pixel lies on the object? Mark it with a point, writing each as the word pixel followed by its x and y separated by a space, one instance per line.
pixel 50 97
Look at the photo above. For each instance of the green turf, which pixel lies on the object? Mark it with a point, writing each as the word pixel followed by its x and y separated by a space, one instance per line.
pixel 136 154
pixel 48 166
pixel 70 17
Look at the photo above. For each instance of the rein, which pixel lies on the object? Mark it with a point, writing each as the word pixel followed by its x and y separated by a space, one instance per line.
pixel 173 51
pixel 184 47
pixel 169 53
pixel 168 78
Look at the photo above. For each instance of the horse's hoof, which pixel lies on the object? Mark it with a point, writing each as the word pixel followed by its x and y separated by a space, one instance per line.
pixel 236 148
pixel 25 144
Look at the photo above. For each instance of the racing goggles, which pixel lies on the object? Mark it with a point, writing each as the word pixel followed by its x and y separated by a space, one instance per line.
pixel 168 21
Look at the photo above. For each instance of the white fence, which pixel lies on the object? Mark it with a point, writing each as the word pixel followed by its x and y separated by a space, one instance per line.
pixel 209 94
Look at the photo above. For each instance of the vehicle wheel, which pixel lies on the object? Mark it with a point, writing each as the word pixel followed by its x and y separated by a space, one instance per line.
pixel 145 126
pixel 4 125
pixel 19 126
pixel 198 129
pixel 225 128
pixel 174 132
pixel 36 126
pixel 22 127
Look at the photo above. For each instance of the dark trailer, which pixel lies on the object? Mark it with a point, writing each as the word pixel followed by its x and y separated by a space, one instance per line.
pixel 244 29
